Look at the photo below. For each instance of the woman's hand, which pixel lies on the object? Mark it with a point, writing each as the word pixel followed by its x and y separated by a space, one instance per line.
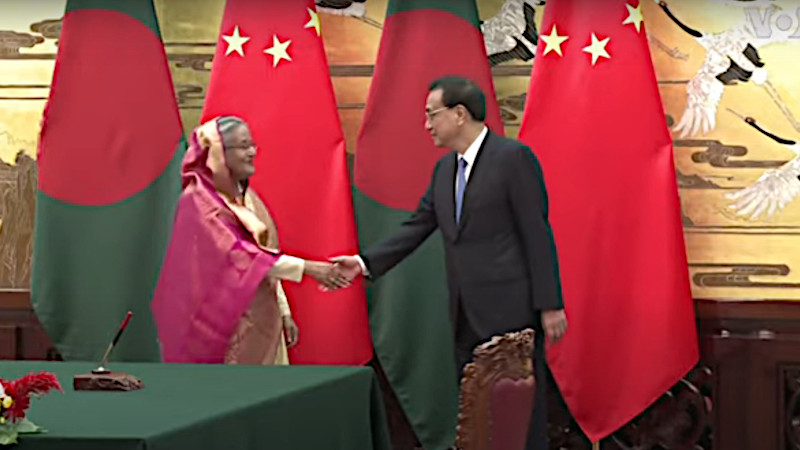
pixel 290 331
pixel 327 274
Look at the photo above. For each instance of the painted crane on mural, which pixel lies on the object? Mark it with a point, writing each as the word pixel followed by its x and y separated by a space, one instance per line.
pixel 775 188
pixel 511 33
pixel 354 8
pixel 731 57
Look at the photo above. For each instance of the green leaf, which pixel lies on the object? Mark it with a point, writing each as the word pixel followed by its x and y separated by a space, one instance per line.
pixel 8 434
pixel 28 427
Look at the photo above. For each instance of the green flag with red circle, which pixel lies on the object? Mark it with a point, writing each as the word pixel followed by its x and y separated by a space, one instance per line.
pixel 408 307
pixel 109 159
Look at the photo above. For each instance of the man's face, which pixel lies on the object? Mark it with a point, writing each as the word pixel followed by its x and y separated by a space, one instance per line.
pixel 440 121
pixel 239 153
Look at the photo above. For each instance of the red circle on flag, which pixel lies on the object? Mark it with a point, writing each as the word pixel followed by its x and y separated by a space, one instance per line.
pixel 111 125
pixel 395 154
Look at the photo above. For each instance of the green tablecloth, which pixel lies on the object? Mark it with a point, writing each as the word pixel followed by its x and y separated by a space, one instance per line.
pixel 210 407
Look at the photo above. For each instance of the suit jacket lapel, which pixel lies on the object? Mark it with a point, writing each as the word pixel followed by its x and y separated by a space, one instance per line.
pixel 448 193
pixel 474 178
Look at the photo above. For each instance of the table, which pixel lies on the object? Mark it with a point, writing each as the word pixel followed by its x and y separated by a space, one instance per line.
pixel 210 407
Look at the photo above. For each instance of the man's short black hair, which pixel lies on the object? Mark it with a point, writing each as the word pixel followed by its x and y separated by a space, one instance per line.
pixel 461 91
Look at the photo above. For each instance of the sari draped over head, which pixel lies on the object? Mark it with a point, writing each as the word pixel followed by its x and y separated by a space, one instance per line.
pixel 214 301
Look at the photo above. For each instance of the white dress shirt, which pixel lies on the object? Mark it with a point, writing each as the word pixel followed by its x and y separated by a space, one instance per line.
pixel 471 154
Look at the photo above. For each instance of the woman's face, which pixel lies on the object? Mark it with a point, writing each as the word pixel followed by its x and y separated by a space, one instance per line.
pixel 239 153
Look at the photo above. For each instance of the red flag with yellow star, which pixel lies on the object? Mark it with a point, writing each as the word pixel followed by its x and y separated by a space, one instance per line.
pixel 270 69
pixel 594 119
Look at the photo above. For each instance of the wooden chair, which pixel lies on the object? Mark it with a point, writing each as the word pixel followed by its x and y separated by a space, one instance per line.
pixel 497 393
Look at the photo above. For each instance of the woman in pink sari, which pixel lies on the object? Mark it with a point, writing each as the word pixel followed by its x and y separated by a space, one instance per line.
pixel 219 296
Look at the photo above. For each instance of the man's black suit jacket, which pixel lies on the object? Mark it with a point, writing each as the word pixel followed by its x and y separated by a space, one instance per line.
pixel 501 258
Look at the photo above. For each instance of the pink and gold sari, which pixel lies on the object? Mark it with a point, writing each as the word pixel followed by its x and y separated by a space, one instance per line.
pixel 214 301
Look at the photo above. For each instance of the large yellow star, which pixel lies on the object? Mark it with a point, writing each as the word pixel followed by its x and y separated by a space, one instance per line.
pixel 279 50
pixel 235 42
pixel 553 41
pixel 313 22
pixel 634 16
pixel 597 48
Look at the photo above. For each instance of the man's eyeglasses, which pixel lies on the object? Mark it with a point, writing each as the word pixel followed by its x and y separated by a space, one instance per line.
pixel 431 114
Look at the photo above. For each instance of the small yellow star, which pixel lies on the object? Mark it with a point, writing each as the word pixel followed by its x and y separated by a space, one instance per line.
pixel 634 16
pixel 553 41
pixel 235 42
pixel 313 22
pixel 597 48
pixel 279 50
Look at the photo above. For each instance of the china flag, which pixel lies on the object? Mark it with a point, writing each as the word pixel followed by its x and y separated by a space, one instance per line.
pixel 270 69
pixel 594 119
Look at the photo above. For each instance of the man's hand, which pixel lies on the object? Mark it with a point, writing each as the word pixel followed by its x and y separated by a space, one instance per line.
pixel 290 331
pixel 328 275
pixel 349 266
pixel 554 322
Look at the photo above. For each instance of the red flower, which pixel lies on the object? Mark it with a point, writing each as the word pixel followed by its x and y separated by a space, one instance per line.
pixel 37 383
pixel 21 390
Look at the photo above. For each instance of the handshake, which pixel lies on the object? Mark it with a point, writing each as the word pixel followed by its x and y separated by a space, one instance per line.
pixel 338 273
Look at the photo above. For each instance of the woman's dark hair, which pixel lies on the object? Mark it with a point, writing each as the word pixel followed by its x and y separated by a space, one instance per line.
pixel 227 125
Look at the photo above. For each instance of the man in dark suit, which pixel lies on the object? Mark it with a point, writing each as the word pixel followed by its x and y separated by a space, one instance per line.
pixel 488 199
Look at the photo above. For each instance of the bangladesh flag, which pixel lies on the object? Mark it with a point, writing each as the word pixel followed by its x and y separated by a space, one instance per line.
pixel 408 307
pixel 109 178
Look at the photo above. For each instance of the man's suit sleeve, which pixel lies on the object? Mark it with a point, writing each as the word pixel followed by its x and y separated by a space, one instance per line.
pixel 387 253
pixel 529 206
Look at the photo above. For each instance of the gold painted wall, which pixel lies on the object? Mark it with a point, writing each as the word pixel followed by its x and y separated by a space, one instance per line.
pixel 730 257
